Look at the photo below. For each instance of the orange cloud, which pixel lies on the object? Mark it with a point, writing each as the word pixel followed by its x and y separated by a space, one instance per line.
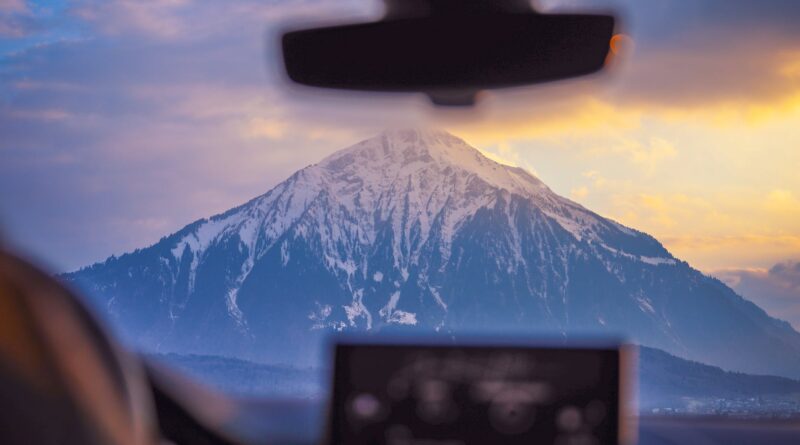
pixel 776 289
pixel 783 203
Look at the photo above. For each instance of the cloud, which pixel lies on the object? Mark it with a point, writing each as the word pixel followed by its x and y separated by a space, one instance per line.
pixel 783 203
pixel 731 60
pixel 191 20
pixel 776 289
pixel 163 111
pixel 658 20
pixel 647 155
pixel 111 142
pixel 579 193
pixel 39 115
pixel 712 228
pixel 721 72
pixel 16 19
pixel 157 18
pixel 9 6
pixel 709 252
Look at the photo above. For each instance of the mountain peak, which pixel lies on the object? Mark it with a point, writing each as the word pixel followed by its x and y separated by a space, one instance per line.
pixel 409 143
pixel 424 135
pixel 403 153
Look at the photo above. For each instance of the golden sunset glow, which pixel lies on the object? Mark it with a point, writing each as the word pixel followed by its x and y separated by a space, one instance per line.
pixel 717 181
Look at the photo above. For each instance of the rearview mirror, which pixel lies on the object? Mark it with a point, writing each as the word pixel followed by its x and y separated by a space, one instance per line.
pixel 449 50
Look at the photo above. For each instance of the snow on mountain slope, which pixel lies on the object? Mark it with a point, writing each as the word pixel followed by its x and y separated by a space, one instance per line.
pixel 407 178
pixel 416 229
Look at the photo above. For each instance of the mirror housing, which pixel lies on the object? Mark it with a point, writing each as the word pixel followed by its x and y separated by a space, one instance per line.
pixel 449 49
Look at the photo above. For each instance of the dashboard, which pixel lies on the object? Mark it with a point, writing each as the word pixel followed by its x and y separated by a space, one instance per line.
pixel 429 394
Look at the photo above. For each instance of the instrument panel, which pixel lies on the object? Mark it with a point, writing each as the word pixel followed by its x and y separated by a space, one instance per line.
pixel 399 394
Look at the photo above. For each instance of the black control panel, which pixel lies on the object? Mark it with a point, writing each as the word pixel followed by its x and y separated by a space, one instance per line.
pixel 402 394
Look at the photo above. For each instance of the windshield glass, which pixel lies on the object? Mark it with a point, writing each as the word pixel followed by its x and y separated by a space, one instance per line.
pixel 225 222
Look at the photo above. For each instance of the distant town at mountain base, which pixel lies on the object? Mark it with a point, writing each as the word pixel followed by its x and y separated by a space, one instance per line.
pixel 667 385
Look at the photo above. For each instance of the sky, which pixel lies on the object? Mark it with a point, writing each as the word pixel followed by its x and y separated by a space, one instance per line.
pixel 123 120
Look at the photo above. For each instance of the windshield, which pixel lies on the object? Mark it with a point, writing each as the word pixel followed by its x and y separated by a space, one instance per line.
pixel 226 223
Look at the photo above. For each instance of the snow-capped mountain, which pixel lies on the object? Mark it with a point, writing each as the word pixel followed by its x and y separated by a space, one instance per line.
pixel 417 229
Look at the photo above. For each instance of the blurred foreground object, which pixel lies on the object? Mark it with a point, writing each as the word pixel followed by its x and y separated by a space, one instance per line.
pixel 480 392
pixel 449 49
pixel 61 379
